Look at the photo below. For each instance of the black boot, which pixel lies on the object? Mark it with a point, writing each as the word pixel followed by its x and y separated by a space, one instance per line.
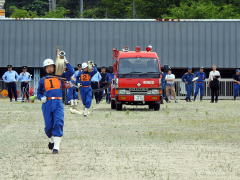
pixel 55 151
pixel 186 99
pixel 235 97
pixel 189 100
pixel 201 98
pixel 194 98
pixel 50 145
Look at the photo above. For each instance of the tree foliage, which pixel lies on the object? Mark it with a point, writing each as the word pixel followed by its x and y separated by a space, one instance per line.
pixel 194 9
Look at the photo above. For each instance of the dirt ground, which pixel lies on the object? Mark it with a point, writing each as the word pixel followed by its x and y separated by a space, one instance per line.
pixel 182 141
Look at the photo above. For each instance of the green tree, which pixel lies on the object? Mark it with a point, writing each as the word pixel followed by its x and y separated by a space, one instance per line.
pixel 60 12
pixel 21 13
pixel 201 10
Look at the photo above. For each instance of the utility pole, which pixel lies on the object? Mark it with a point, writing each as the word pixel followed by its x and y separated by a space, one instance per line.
pixel 133 9
pixel 52 5
pixel 81 8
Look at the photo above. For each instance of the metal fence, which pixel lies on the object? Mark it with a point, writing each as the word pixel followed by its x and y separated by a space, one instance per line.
pixel 226 88
pixel 3 86
pixel 225 92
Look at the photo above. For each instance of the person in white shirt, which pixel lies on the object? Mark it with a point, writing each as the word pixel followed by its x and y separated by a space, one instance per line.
pixel 213 79
pixel 25 78
pixel 170 89
pixel 10 78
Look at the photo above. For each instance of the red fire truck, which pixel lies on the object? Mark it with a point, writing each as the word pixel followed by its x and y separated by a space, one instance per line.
pixel 137 78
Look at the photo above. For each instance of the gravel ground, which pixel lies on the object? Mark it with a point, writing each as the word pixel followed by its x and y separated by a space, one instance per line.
pixel 181 141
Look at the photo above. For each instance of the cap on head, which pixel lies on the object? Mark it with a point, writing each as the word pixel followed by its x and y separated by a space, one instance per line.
pixel 84 65
pixel 201 67
pixel 189 68
pixel 24 67
pixel 79 65
pixel 237 70
pixel 48 62
pixel 9 66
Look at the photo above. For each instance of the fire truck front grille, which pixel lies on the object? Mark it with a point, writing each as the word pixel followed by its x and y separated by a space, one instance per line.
pixel 138 90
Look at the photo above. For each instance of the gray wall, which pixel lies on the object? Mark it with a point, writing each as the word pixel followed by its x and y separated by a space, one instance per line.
pixel 179 44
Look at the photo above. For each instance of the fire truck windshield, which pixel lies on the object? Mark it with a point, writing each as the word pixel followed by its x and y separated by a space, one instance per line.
pixel 138 66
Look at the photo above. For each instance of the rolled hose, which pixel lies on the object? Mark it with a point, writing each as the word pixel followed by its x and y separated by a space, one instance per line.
pixel 59 62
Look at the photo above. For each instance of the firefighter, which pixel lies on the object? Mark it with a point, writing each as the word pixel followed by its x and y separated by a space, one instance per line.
pixel 68 73
pixel 201 76
pixel 236 84
pixel 84 82
pixel 214 84
pixel 50 94
pixel 163 82
pixel 79 69
pixel 103 82
pixel 10 78
pixel 25 78
pixel 109 78
pixel 187 78
pixel 95 84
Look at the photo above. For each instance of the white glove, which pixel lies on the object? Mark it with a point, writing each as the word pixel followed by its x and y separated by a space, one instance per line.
pixel 91 63
pixel 44 99
pixel 79 84
pixel 66 61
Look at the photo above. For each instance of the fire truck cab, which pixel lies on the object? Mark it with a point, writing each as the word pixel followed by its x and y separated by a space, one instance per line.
pixel 137 78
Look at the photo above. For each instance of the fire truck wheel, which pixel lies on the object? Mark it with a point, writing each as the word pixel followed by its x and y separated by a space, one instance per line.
pixel 113 104
pixel 156 107
pixel 119 107
pixel 151 106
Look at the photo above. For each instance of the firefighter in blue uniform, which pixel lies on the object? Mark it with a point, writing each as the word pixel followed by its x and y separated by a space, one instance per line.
pixel 50 94
pixel 163 81
pixel 10 78
pixel 79 69
pixel 25 78
pixel 84 82
pixel 187 78
pixel 67 74
pixel 109 78
pixel 236 84
pixel 200 83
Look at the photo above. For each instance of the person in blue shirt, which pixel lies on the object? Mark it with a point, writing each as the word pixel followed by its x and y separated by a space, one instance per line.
pixel 25 78
pixel 163 82
pixel 67 74
pixel 49 92
pixel 200 83
pixel 84 82
pixel 187 78
pixel 109 78
pixel 95 86
pixel 75 91
pixel 236 84
pixel 79 68
pixel 103 82
pixel 10 78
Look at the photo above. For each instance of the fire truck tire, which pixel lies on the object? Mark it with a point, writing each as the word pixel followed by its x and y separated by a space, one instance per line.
pixel 156 107
pixel 119 107
pixel 113 104
pixel 151 106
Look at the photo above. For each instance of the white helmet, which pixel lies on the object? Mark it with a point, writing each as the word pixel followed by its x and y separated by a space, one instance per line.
pixel 84 65
pixel 48 62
